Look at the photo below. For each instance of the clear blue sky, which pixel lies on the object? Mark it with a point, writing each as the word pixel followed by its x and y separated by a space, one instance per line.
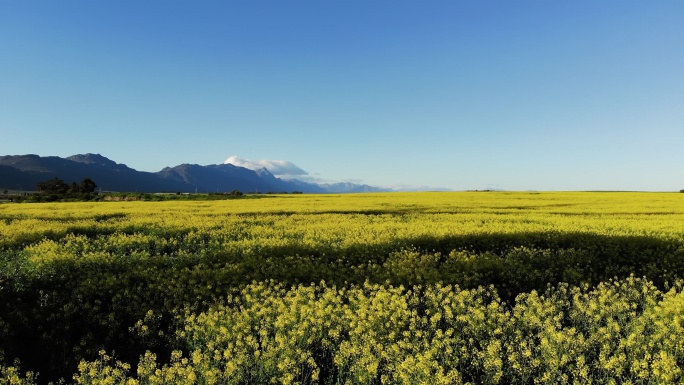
pixel 462 94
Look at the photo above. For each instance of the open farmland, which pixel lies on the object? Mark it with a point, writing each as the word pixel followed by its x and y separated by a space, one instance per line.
pixel 397 288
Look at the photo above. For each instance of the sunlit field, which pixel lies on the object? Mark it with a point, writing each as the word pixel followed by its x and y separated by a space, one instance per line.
pixel 386 288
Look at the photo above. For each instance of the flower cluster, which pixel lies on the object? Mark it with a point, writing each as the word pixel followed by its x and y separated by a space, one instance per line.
pixel 620 332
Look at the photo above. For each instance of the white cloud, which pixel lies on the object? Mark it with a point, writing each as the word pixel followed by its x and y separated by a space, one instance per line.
pixel 287 170
pixel 276 167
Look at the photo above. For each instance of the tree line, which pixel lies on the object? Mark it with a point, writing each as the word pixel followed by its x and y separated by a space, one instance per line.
pixel 57 186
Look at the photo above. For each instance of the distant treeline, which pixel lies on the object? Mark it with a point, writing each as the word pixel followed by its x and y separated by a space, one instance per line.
pixel 57 190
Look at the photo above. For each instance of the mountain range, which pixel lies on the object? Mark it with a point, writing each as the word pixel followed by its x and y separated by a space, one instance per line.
pixel 23 172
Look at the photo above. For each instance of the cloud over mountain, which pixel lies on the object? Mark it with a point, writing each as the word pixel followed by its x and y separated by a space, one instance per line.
pixel 23 172
pixel 275 167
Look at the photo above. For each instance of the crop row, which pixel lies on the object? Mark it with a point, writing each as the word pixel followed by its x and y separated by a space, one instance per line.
pixel 620 332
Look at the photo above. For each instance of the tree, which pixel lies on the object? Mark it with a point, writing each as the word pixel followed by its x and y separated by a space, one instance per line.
pixel 88 186
pixel 53 186
pixel 5 192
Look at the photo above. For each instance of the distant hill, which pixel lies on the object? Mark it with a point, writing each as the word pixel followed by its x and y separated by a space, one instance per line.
pixel 345 187
pixel 23 172
pixel 108 175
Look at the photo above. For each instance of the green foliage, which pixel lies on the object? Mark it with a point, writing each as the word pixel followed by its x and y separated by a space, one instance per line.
pixel 87 186
pixel 53 186
pixel 56 189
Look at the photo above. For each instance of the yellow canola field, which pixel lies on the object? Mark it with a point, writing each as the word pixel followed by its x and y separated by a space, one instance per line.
pixel 655 214
pixel 354 219
pixel 391 288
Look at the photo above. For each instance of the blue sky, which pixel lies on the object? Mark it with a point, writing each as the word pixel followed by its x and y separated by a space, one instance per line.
pixel 517 95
